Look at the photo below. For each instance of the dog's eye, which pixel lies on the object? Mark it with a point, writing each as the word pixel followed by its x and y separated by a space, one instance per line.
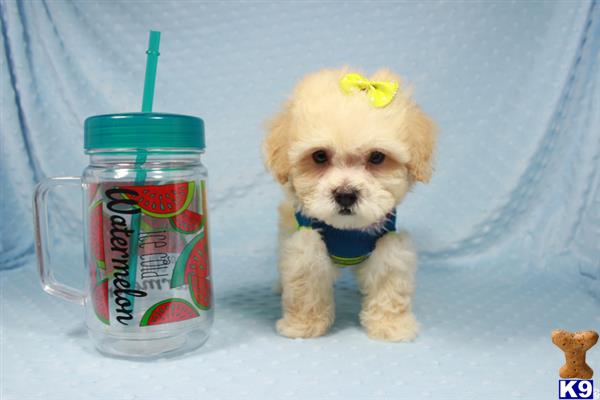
pixel 319 156
pixel 376 157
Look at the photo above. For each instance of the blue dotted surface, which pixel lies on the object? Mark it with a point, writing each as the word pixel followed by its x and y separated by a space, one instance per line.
pixel 485 334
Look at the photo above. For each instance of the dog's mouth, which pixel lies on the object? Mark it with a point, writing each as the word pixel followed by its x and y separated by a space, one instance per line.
pixel 345 211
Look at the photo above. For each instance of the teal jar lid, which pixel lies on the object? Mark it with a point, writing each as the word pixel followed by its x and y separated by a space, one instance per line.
pixel 142 131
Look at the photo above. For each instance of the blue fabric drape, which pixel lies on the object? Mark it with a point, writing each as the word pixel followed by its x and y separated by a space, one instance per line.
pixel 514 88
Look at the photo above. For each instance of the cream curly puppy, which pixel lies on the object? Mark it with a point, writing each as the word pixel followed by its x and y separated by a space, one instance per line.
pixel 346 151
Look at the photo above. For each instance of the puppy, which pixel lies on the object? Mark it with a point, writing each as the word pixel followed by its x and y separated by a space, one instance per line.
pixel 345 160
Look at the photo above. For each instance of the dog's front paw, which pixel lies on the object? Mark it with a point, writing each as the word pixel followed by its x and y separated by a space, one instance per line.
pixel 303 328
pixel 393 328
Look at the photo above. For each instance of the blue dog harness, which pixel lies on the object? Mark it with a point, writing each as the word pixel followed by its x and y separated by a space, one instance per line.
pixel 347 246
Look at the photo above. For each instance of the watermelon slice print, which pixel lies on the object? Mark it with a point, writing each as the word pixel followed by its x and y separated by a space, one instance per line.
pixel 187 222
pixel 92 191
pixel 163 201
pixel 100 301
pixel 96 234
pixel 192 268
pixel 170 310
pixel 200 290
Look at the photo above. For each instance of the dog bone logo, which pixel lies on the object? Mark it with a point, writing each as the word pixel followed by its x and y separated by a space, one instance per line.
pixel 574 345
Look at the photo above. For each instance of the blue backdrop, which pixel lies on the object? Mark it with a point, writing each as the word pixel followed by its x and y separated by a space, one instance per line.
pixel 513 86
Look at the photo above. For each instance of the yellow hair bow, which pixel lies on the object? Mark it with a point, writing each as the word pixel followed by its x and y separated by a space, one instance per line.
pixel 380 94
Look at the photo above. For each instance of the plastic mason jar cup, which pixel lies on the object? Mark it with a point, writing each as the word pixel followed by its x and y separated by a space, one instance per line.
pixel 148 291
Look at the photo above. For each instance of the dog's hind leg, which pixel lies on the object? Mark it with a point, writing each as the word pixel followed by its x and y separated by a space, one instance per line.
pixel 387 283
pixel 307 278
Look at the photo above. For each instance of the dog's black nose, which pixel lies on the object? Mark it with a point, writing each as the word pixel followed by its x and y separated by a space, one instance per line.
pixel 346 198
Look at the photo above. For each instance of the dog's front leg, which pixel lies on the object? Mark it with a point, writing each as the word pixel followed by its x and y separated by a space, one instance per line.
pixel 387 283
pixel 307 277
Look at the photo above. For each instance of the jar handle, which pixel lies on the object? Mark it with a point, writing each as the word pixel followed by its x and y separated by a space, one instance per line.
pixel 40 223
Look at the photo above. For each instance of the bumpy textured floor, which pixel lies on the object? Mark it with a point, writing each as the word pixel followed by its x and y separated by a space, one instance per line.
pixel 508 228
pixel 485 334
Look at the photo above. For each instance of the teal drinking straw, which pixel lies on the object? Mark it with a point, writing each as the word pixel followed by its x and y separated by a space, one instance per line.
pixel 151 63
pixel 140 175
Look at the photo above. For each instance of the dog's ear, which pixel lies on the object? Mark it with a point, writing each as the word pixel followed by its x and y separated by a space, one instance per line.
pixel 275 146
pixel 421 137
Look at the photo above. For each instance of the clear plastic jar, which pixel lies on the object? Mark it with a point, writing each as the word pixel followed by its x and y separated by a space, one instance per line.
pixel 148 291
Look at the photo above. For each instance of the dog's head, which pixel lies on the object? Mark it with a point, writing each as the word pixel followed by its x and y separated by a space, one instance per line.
pixel 346 162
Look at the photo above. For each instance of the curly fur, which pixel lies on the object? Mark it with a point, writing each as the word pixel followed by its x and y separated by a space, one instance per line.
pixel 319 117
